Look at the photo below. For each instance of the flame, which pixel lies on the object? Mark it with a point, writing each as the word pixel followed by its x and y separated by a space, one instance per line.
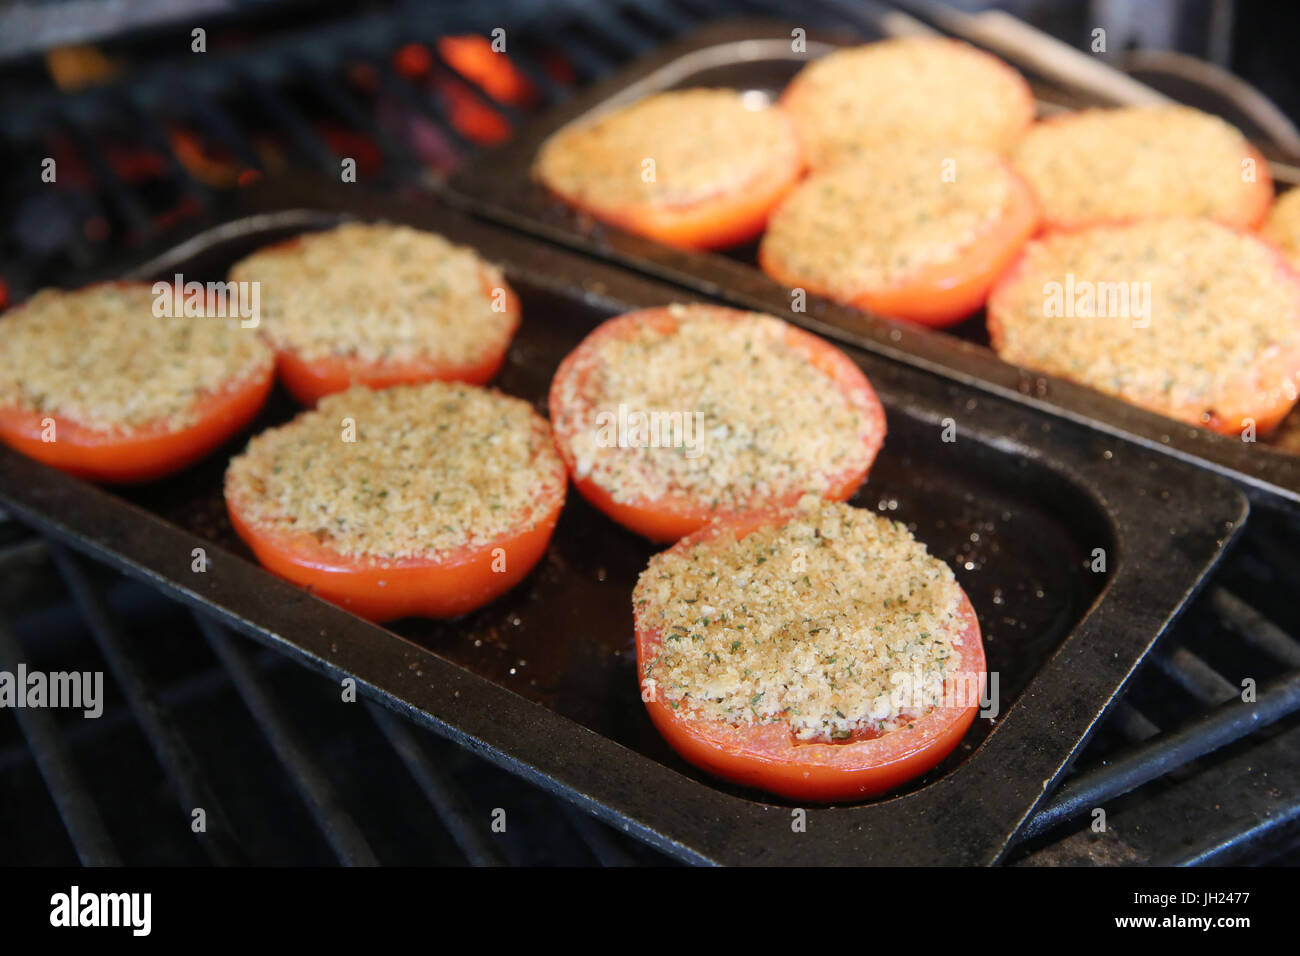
pixel 472 118
pixel 472 57
pixel 199 162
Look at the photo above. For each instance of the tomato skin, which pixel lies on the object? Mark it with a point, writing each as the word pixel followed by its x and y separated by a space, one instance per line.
pixel 766 757
pixel 669 518
pixel 944 294
pixel 456 584
pixel 311 380
pixel 728 219
pixel 723 220
pixel 140 454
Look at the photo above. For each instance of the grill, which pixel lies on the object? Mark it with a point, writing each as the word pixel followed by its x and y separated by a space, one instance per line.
pixel 199 717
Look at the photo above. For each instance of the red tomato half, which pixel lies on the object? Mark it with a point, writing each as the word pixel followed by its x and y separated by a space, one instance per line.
pixel 767 757
pixel 1268 404
pixel 383 590
pixel 142 453
pixel 723 220
pixel 733 213
pixel 310 380
pixel 943 294
pixel 668 518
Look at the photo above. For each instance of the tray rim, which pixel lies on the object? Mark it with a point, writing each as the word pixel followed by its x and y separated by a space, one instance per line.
pixel 689 819
pixel 1269 476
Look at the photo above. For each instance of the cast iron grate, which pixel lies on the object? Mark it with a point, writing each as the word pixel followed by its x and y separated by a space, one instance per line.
pixel 198 717
pixel 158 143
pixel 1186 770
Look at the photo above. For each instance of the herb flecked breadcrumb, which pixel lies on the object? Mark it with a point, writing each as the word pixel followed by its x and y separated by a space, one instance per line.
pixel 1222 330
pixel 702 142
pixel 924 90
pixel 380 293
pixel 1114 165
pixel 815 622
pixel 101 358
pixel 887 214
pixel 771 423
pixel 433 468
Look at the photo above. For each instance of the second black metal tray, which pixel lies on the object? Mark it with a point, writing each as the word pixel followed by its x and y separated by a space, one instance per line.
pixel 543 680
pixel 758 55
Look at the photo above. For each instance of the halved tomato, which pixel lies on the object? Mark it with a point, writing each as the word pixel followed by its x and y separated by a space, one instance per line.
pixel 1251 214
pixel 454 584
pixel 443 498
pixel 144 452
pixel 669 517
pixel 582 167
pixel 718 222
pixel 1245 397
pixel 942 294
pixel 309 380
pixel 1118 166
pixel 768 757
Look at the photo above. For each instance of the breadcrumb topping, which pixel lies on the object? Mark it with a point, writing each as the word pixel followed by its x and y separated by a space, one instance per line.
pixel 379 293
pixel 838 623
pixel 433 468
pixel 770 422
pixel 703 142
pixel 1222 332
pixel 1283 226
pixel 888 213
pixel 101 358
pixel 1112 165
pixel 935 92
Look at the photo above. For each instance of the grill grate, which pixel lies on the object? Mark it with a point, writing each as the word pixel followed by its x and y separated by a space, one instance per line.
pixel 1233 766
pixel 1185 771
pixel 1197 774
pixel 136 154
pixel 247 739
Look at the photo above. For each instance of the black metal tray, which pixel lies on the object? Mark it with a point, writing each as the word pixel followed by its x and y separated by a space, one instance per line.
pixel 543 681
pixel 757 55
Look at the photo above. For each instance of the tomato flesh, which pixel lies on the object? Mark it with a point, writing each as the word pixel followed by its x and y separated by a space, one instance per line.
pixel 455 583
pixel 138 454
